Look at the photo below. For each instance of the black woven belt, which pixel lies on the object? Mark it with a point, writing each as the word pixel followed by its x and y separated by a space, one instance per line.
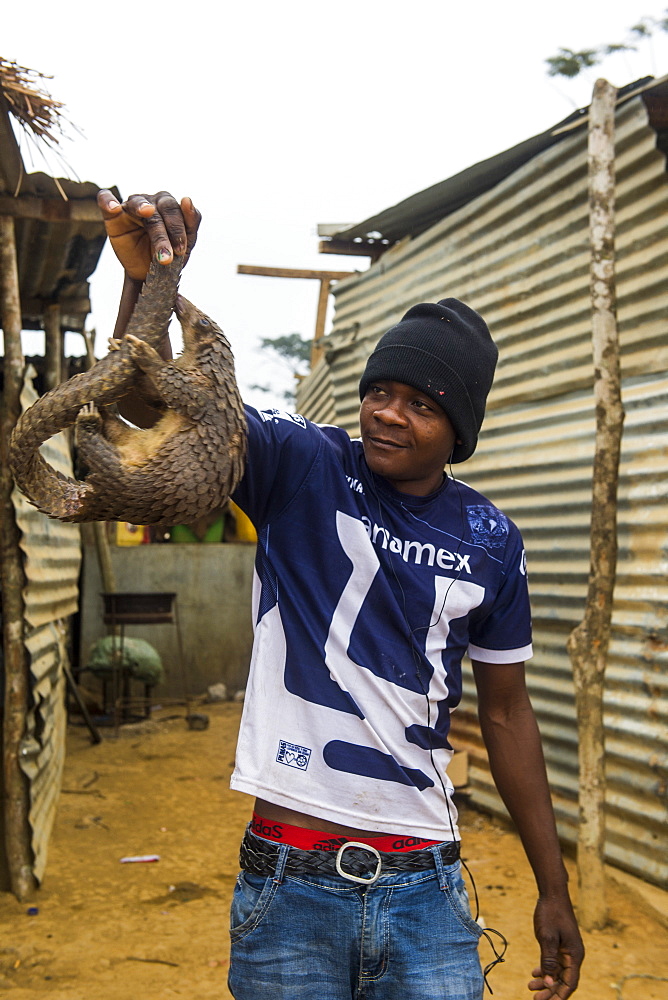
pixel 354 861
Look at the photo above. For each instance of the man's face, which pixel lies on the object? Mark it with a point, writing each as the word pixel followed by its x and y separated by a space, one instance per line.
pixel 407 437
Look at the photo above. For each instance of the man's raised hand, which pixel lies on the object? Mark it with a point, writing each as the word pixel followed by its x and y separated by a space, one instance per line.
pixel 149 226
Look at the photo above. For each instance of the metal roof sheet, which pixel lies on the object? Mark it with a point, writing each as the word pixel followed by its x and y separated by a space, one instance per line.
pixel 59 235
pixel 420 211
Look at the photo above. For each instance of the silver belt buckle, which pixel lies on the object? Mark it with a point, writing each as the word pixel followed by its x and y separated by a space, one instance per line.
pixel 357 878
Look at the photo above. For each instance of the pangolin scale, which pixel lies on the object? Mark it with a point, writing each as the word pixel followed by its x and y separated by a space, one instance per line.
pixel 176 471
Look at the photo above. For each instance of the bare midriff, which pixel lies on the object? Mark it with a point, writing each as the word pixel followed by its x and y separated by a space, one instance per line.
pixel 282 815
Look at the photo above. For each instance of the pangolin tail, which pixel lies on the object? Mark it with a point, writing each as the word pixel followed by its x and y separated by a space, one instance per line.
pixel 50 491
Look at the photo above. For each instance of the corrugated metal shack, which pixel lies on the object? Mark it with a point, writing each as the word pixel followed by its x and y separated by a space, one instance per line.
pixel 510 236
pixel 51 236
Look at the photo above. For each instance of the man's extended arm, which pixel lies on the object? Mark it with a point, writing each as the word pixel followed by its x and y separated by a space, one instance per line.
pixel 143 227
pixel 510 732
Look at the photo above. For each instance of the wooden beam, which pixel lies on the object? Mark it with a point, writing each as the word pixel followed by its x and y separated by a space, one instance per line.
pixel 51 209
pixel 350 249
pixel 17 692
pixel 291 272
pixel 34 309
pixel 327 229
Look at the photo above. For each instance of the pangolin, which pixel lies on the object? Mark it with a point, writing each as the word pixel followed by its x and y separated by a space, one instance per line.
pixel 172 473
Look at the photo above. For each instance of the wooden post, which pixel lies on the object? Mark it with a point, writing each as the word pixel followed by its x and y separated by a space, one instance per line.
pixel 89 342
pixel 102 547
pixel 17 805
pixel 103 550
pixel 52 346
pixel 588 643
pixel 323 299
pixel 324 277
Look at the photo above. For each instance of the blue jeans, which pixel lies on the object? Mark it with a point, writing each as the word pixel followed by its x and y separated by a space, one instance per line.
pixel 409 936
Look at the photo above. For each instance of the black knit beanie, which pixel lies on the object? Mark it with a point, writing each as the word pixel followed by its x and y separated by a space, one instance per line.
pixel 446 351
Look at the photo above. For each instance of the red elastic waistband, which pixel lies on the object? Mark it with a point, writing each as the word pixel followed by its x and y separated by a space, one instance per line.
pixel 320 840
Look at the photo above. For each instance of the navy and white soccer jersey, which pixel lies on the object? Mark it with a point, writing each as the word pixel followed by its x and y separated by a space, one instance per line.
pixel 365 602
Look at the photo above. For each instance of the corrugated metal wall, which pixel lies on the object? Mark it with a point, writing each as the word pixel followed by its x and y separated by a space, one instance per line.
pixel 52 551
pixel 316 394
pixel 519 254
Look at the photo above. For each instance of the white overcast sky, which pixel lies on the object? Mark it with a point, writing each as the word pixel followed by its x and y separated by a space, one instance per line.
pixel 277 116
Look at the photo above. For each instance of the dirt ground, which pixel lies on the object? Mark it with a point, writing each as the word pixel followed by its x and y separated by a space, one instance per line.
pixel 159 930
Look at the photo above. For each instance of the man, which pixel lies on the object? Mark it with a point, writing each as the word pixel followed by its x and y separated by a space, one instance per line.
pixel 376 573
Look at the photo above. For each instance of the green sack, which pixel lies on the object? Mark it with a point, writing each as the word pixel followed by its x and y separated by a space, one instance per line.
pixel 138 657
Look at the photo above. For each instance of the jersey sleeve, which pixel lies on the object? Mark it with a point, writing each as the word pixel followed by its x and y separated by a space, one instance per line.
pixel 281 450
pixel 504 634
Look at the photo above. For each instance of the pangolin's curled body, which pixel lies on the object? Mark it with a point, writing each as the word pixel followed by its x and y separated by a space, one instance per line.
pixel 174 472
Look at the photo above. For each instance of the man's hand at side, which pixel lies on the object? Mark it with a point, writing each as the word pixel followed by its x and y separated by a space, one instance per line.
pixel 561 950
pixel 511 736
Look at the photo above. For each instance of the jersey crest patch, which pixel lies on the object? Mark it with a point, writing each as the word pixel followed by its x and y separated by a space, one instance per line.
pixel 489 527
pixel 293 755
